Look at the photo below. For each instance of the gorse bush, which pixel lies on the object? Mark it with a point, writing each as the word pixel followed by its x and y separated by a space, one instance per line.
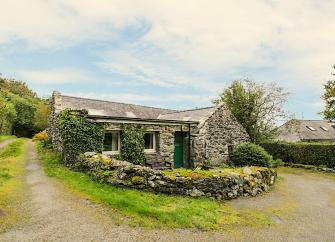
pixel 79 134
pixel 132 141
pixel 317 154
pixel 43 138
pixel 40 136
pixel 249 154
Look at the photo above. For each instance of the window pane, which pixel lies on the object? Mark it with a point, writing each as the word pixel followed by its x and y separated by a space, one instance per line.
pixel 149 141
pixel 115 141
pixel 111 141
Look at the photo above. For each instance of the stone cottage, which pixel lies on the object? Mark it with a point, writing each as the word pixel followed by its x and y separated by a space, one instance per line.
pixel 173 138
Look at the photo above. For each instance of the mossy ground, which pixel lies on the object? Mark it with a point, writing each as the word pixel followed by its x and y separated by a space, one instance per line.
pixel 145 209
pixel 207 173
pixel 12 186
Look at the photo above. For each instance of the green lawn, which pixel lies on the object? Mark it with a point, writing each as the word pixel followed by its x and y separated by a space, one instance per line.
pixel 152 210
pixel 12 185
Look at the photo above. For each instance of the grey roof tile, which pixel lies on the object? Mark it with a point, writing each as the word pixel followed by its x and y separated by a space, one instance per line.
pixel 114 109
pixel 298 129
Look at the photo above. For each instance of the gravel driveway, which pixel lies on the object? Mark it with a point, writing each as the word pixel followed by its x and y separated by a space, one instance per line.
pixel 58 215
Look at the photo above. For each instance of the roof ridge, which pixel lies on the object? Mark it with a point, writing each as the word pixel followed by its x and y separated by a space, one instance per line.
pixel 187 110
pixel 99 100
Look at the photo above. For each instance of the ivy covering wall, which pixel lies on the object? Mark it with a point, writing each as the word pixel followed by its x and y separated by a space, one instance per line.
pixel 132 144
pixel 79 134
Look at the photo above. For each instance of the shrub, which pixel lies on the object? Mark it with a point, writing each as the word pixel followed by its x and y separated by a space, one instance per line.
pixel 317 154
pixel 249 154
pixel 132 148
pixel 41 136
pixel 277 163
pixel 79 134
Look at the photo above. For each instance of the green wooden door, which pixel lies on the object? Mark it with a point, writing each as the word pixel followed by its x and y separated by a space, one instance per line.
pixel 178 150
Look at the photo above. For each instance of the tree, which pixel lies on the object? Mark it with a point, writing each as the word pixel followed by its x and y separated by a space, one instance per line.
pixel 41 116
pixel 21 111
pixel 24 122
pixel 256 106
pixel 329 98
pixel 7 115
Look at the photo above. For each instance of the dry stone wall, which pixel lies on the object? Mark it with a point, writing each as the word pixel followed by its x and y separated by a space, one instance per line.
pixel 221 187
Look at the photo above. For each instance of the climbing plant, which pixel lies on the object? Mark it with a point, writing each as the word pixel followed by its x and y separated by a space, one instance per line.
pixel 79 134
pixel 132 141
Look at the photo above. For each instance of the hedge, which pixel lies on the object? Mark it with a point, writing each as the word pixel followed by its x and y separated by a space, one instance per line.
pixel 317 154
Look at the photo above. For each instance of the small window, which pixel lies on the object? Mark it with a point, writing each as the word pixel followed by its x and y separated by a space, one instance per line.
pixel 149 141
pixel 112 141
pixel 311 128
pixel 324 128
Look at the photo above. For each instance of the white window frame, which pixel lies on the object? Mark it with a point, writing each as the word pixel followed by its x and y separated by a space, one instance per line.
pixel 115 152
pixel 153 150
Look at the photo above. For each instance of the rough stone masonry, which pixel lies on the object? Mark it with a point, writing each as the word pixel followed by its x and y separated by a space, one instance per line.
pixel 219 186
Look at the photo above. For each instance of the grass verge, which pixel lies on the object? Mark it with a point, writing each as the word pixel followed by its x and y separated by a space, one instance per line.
pixel 12 170
pixel 5 137
pixel 152 210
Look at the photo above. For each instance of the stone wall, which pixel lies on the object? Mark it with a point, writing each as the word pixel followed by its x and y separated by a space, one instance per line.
pixel 215 135
pixel 53 127
pixel 219 186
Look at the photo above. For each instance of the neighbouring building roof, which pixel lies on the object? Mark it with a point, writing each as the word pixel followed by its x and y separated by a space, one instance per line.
pixel 124 110
pixel 307 130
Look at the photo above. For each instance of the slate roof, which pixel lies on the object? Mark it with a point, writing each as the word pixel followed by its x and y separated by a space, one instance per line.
pixel 297 130
pixel 189 115
pixel 113 109
pixel 102 108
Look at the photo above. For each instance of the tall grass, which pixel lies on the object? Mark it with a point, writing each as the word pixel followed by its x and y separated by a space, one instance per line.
pixel 148 209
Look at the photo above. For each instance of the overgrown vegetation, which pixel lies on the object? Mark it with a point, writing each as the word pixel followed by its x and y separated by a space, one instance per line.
pixel 153 210
pixel 79 134
pixel 256 106
pixel 12 188
pixel 21 112
pixel 132 149
pixel 317 154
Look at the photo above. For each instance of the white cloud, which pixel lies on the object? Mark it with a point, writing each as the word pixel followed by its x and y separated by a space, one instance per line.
pixel 293 37
pixel 55 76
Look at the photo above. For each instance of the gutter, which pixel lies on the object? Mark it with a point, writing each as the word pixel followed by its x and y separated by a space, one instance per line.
pixel 113 119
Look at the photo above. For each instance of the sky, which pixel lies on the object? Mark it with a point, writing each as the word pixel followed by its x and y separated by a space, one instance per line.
pixel 176 54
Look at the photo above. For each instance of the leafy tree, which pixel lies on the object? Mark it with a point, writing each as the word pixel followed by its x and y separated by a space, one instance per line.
pixel 329 98
pixel 21 111
pixel 41 116
pixel 255 106
pixel 7 115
